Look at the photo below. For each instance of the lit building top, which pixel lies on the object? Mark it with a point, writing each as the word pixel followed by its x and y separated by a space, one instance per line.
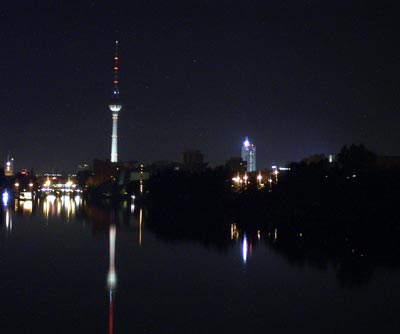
pixel 249 154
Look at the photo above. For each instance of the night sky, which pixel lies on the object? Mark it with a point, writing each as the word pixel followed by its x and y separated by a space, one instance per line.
pixel 297 77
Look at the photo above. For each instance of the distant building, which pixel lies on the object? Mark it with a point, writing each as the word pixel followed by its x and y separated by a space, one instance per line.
pixel 163 165
pixel 193 161
pixel 107 171
pixel 249 155
pixel 388 162
pixel 83 167
pixel 9 166
pixel 236 165
pixel 314 159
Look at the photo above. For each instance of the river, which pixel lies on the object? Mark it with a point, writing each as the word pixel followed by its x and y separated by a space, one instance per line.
pixel 71 267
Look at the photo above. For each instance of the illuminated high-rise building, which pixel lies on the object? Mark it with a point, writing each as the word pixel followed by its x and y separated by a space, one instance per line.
pixel 249 155
pixel 115 106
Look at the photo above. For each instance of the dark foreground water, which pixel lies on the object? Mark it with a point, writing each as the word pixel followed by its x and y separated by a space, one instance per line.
pixel 56 277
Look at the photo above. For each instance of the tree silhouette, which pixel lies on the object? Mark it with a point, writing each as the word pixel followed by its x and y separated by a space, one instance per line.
pixel 356 158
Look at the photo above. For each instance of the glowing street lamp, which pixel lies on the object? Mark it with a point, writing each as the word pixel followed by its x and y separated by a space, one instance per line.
pixel 276 172
pixel 236 181
pixel 46 185
pixel 259 180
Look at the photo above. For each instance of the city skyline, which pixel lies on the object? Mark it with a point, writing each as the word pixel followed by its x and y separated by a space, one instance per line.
pixel 299 78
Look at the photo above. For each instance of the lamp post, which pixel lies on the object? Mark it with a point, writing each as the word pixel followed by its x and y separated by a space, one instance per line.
pixel 245 179
pixel 259 179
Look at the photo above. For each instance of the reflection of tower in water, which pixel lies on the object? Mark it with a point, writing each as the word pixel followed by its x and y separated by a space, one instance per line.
pixel 8 219
pixel 140 226
pixel 111 277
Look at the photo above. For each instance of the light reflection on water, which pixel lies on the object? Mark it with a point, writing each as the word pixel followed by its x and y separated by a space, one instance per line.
pixel 53 206
pixel 244 249
pixel 8 219
pixel 25 207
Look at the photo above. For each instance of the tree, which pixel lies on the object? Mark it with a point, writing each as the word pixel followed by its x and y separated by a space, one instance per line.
pixel 356 158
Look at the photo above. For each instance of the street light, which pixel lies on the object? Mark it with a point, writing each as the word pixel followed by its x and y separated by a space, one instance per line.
pixel 276 172
pixel 259 181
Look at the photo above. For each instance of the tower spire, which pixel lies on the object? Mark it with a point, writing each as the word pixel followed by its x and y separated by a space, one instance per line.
pixel 115 106
pixel 116 68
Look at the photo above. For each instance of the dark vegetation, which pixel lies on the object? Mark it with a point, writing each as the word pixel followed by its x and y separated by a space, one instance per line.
pixel 190 206
pixel 351 196
pixel 343 213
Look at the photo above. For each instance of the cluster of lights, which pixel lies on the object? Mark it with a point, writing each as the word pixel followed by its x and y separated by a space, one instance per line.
pixel 241 182
pixel 16 184
pixel 68 187
pixel 245 180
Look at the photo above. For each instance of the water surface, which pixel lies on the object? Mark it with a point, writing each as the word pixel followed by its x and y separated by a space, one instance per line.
pixel 55 277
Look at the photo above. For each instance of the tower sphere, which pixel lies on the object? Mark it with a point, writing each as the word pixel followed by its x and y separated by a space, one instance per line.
pixel 115 106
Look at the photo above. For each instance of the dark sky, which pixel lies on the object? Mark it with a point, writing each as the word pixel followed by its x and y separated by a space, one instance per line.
pixel 297 77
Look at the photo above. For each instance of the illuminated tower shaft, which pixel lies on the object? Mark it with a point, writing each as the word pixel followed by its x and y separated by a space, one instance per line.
pixel 115 106
pixel 114 139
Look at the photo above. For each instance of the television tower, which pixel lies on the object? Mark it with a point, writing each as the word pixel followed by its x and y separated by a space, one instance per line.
pixel 115 106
